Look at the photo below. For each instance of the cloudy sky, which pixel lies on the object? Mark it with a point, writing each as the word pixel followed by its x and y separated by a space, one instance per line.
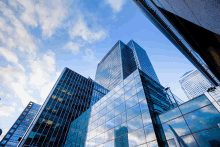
pixel 39 38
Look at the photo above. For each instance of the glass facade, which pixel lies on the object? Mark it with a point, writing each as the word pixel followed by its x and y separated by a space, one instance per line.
pixel 194 84
pixel 70 97
pixel 180 21
pixel 126 116
pixel 120 62
pixel 192 124
pixel 17 131
pixel 142 60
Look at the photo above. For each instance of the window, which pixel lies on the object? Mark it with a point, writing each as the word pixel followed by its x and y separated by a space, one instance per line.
pixel 3 141
pixel 8 135
pixel 203 118
pixel 12 131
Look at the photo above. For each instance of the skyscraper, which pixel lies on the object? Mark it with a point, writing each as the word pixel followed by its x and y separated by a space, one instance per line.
pixel 193 27
pixel 18 129
pixel 120 62
pixel 194 84
pixel 70 97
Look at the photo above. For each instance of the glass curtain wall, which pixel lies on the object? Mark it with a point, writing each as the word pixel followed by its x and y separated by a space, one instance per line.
pixel 192 124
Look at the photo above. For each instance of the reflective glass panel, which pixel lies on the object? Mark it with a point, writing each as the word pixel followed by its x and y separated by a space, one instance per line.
pixel 137 137
pixel 139 87
pixel 149 132
pixel 169 115
pixel 141 96
pixel 110 144
pixel 152 144
pixel 177 126
pixel 130 93
pixel 110 124
pixel 100 139
pixel 120 109
pixel 121 141
pixel 118 120
pixel 171 143
pixel 203 118
pixel 146 118
pixel 110 134
pixel 188 141
pixel 121 129
pixel 211 140
pixel 134 111
pixel 134 123
pixel 194 104
pixel 131 102
pixel 110 106
pixel 119 101
pixel 128 79
pixel 129 85
pixel 110 115
pixel 144 106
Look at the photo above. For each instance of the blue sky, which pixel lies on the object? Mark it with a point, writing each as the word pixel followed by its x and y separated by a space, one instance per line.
pixel 38 39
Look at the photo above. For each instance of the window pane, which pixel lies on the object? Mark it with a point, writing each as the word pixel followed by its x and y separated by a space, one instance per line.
pixel 128 79
pixel 119 101
pixel 169 115
pixel 211 140
pixel 122 141
pixel 194 104
pixel 203 118
pixel 177 126
pixel 146 118
pixel 110 124
pixel 149 132
pixel 188 141
pixel 134 111
pixel 110 134
pixel 171 143
pixel 141 96
pixel 134 123
pixel 109 144
pixel 144 106
pixel 118 120
pixel 121 130
pixel 152 144
pixel 120 109
pixel 139 87
pixel 129 85
pixel 137 79
pixel 110 115
pixel 131 102
pixel 130 93
pixel 137 137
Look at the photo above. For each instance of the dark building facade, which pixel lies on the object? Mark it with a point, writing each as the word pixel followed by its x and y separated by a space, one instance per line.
pixel 120 62
pixel 70 97
pixel 193 27
pixel 17 131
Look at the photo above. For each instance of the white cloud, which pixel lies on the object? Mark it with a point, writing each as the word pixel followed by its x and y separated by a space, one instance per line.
pixel 74 47
pixel 6 110
pixel 20 109
pixel 89 55
pixel 116 5
pixel 9 55
pixel 81 29
pixel 41 69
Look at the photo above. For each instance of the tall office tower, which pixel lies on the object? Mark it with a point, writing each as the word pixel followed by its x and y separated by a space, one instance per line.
pixel 142 60
pixel 194 84
pixel 120 62
pixel 70 97
pixel 125 117
pixel 193 27
pixel 18 129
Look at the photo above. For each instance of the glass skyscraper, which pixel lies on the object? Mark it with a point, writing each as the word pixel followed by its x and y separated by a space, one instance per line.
pixel 120 62
pixel 193 27
pixel 70 97
pixel 17 131
pixel 126 116
pixel 194 84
